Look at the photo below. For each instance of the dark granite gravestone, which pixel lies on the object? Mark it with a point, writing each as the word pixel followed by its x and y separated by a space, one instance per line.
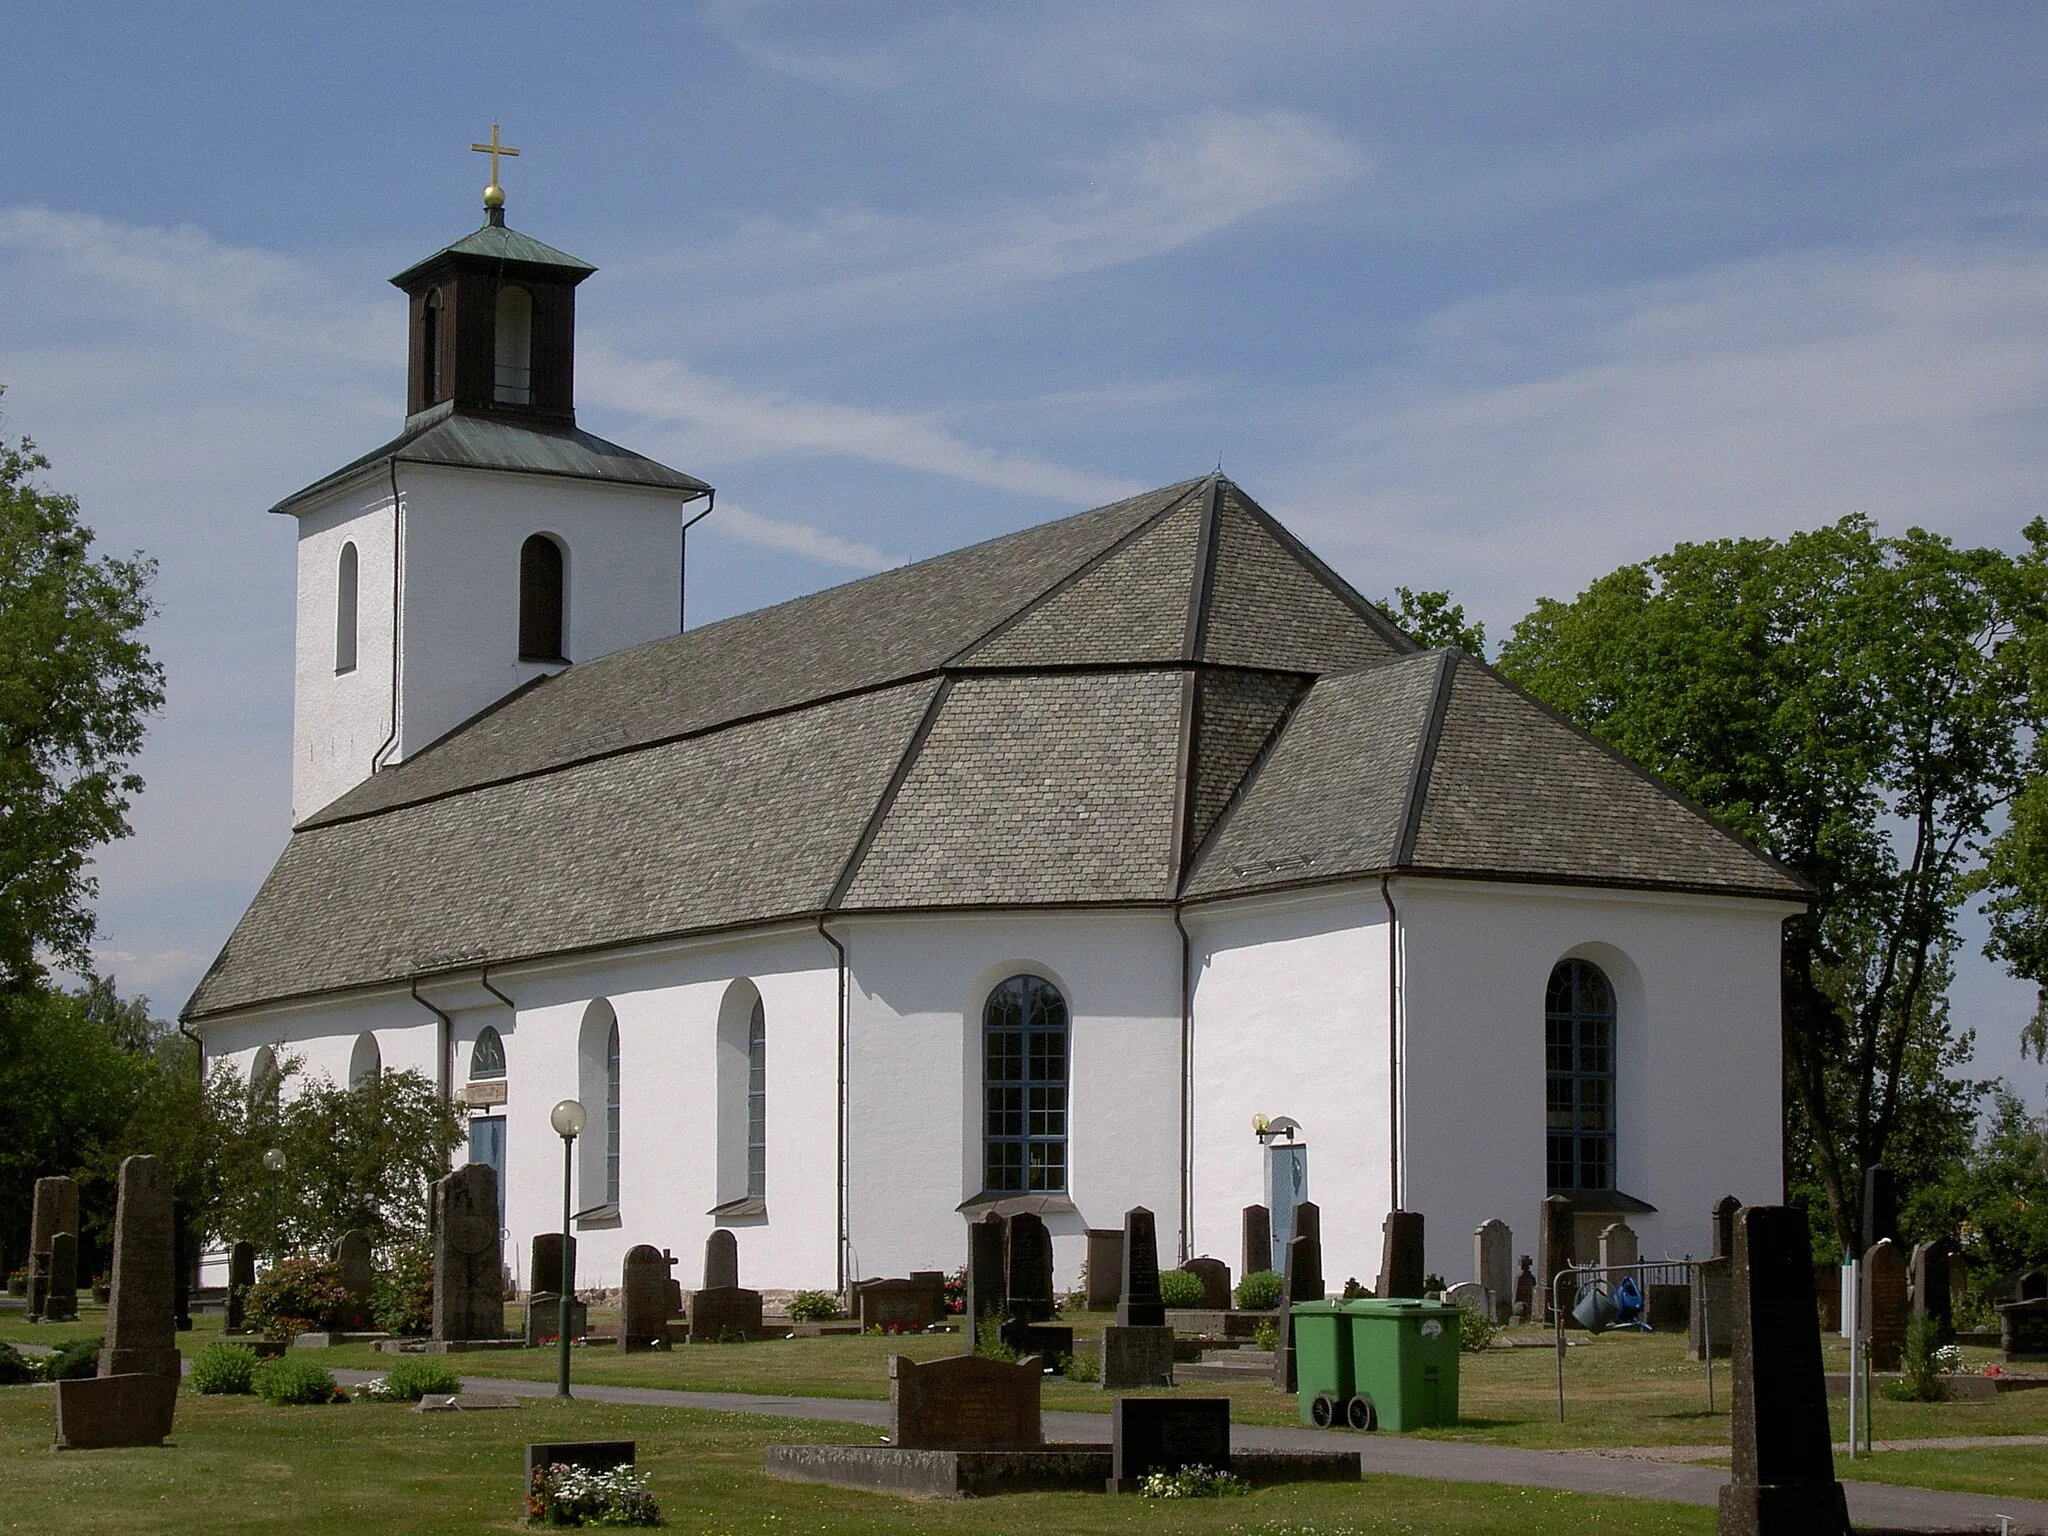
pixel 1709 1325
pixel 142 1327
pixel 1556 1250
pixel 964 1403
pixel 1928 1276
pixel 1782 1481
pixel 1724 1226
pixel 544 1266
pixel 934 1283
pixel 643 1299
pixel 1880 1206
pixel 724 1315
pixel 60 1304
pixel 99 1412
pixel 1885 1307
pixel 241 1277
pixel 1105 1267
pixel 1029 1270
pixel 352 1257
pixel 469 1282
pixel 1827 1295
pixel 987 1302
pixel 2023 1329
pixel 1215 1277
pixel 1153 1434
pixel 1525 1292
pixel 55 1209
pixel 894 1306
pixel 544 1318
pixel 2031 1286
pixel 721 1260
pixel 591 1455
pixel 1302 1280
pixel 1256 1252
pixel 1401 1262
pixel 1134 1358
pixel 1493 1266
pixel 1141 1306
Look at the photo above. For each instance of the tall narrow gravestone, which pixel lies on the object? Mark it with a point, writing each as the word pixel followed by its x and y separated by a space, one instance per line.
pixel 1929 1273
pixel 55 1210
pixel 721 1260
pixel 987 1302
pixel 544 1293
pixel 1493 1266
pixel 1884 1304
pixel 718 1312
pixel 1257 1253
pixel 1618 1253
pixel 643 1299
pixel 61 1304
pixel 1030 1269
pixel 241 1280
pixel 1137 1350
pixel 1556 1250
pixel 1710 1325
pixel 142 1329
pixel 352 1258
pixel 1880 1206
pixel 1301 1280
pixel 469 1284
pixel 1783 1474
pixel 1105 1267
pixel 1401 1260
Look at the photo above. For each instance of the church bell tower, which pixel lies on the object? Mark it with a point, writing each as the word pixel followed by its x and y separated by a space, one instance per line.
pixel 490 544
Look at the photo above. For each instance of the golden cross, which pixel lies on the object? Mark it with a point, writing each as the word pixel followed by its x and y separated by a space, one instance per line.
pixel 494 149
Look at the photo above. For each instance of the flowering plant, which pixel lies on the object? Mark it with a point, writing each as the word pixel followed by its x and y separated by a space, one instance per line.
pixel 564 1495
pixel 1193 1482
pixel 1948 1359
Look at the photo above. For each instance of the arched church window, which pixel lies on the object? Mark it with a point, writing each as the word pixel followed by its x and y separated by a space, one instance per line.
pixel 345 610
pixel 611 1117
pixel 1579 1044
pixel 365 1060
pixel 430 349
pixel 487 1056
pixel 541 571
pixel 514 376
pixel 757 1103
pixel 598 1085
pixel 1024 1087
pixel 266 1078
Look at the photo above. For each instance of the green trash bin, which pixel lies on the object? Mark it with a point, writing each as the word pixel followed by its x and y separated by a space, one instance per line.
pixel 1322 1361
pixel 1404 1363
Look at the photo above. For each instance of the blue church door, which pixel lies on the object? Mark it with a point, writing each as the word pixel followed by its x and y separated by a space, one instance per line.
pixel 487 1145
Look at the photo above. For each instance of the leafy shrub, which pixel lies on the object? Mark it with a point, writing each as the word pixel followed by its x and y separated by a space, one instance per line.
pixel 74 1361
pixel 813 1307
pixel 1179 1289
pixel 402 1296
pixel 1084 1365
pixel 1266 1336
pixel 1919 1365
pixel 224 1370
pixel 988 1343
pixel 1195 1482
pixel 562 1495
pixel 1434 1284
pixel 14 1370
pixel 1259 1291
pixel 285 1380
pixel 1354 1291
pixel 298 1296
pixel 1475 1330
pixel 417 1376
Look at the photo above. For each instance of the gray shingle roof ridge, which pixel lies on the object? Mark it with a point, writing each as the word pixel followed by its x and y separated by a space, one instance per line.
pixel 1319 568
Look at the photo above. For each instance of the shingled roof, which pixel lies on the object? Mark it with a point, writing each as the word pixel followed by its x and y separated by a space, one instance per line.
pixel 1164 700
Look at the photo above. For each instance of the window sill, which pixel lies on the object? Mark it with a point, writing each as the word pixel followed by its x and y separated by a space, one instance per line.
pixel 599 1218
pixel 1603 1202
pixel 1013 1202
pixel 746 1211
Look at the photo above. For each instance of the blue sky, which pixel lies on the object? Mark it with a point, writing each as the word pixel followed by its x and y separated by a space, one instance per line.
pixel 1487 297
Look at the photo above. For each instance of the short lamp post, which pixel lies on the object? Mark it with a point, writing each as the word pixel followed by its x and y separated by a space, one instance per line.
pixel 273 1160
pixel 568 1118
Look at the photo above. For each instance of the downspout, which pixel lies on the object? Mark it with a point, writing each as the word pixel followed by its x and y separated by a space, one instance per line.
pixel 444 1040
pixel 1394 1024
pixel 844 1235
pixel 484 980
pixel 683 562
pixel 377 757
pixel 1187 1088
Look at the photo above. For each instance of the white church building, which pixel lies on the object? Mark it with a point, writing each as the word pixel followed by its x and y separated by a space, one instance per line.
pixel 1023 877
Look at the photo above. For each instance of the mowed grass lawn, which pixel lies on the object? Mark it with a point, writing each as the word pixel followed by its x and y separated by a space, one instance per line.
pixel 235 1464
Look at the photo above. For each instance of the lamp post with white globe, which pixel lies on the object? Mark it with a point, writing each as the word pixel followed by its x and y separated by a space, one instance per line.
pixel 568 1118
pixel 273 1162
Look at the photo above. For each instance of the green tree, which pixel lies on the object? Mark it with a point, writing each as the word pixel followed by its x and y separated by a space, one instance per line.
pixel 1994 1196
pixel 1855 705
pixel 1433 620
pixel 76 683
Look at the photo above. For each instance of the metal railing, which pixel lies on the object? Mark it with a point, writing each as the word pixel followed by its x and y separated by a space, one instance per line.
pixel 1686 1273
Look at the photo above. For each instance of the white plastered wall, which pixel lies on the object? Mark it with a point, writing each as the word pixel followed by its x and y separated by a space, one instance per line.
pixel 339 720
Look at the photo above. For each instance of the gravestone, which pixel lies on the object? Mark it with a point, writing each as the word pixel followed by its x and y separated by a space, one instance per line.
pixel 99 1412
pixel 1929 1278
pixel 1724 1226
pixel 2031 1286
pixel 1618 1250
pixel 964 1403
pixel 1137 1357
pixel 643 1299
pixel 1709 1324
pixel 142 1326
pixel 1301 1280
pixel 1885 1307
pixel 986 1299
pixel 54 1210
pixel 1215 1277
pixel 894 1306
pixel 1151 1434
pixel 1958 1283
pixel 241 1277
pixel 1470 1293
pixel 60 1304
pixel 544 1268
pixel 1556 1249
pixel 1105 1267
pixel 1256 1253
pixel 1029 1270
pixel 1880 1206
pixel 725 1314
pixel 1141 1306
pixel 469 1283
pixel 591 1455
pixel 1401 1259
pixel 2023 1329
pixel 721 1260
pixel 544 1318
pixel 352 1257
pixel 1525 1292
pixel 934 1283
pixel 1782 1481
pixel 1827 1295
pixel 1493 1266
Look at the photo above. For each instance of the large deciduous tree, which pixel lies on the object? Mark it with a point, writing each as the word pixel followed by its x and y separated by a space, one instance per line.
pixel 1859 707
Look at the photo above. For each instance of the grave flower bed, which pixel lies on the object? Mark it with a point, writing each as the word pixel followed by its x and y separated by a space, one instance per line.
pixel 562 1495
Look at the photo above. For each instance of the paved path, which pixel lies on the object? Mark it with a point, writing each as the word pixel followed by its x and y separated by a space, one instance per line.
pixel 1461 1461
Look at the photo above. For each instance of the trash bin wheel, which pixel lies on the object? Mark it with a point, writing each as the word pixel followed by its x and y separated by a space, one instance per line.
pixel 1359 1413
pixel 1323 1410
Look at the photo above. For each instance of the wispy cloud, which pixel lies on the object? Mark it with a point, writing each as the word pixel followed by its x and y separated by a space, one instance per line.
pixel 798 539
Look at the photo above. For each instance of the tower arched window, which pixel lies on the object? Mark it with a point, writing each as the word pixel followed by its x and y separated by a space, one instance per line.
pixel 514 353
pixel 1024 1087
pixel 430 348
pixel 542 578
pixel 1579 1047
pixel 345 582
pixel 487 1056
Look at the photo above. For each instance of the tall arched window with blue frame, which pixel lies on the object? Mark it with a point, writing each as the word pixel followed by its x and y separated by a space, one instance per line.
pixel 1579 1048
pixel 1024 1088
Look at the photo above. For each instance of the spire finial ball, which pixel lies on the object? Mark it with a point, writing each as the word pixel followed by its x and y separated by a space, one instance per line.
pixel 494 196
